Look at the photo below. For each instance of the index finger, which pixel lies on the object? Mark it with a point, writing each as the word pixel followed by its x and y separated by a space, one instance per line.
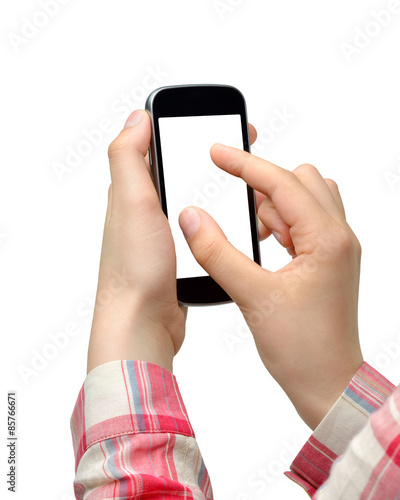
pixel 292 200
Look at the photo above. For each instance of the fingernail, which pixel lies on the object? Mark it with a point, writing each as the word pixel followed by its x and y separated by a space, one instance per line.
pixel 278 236
pixel 189 220
pixel 134 119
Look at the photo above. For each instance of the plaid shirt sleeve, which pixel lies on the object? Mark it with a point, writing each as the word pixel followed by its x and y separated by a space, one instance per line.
pixel 132 436
pixel 354 453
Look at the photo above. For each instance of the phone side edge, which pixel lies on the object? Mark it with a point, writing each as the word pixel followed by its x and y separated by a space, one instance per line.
pixel 153 157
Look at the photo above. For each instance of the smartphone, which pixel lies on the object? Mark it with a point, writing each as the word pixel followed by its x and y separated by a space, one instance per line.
pixel 186 121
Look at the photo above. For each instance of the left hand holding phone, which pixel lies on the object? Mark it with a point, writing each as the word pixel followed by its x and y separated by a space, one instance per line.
pixel 137 315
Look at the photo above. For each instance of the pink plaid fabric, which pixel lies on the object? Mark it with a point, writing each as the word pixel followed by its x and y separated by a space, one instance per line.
pixel 132 438
pixel 354 453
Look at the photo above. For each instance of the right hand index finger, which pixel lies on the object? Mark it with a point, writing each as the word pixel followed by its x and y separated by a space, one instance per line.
pixel 294 203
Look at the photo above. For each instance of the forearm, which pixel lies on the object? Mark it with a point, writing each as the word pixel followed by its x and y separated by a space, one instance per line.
pixel 120 330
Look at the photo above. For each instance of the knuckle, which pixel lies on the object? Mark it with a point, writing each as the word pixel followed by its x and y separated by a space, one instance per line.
pixel 289 179
pixel 118 146
pixel 358 248
pixel 357 244
pixel 347 243
pixel 305 169
pixel 332 184
pixel 338 245
pixel 142 201
pixel 138 200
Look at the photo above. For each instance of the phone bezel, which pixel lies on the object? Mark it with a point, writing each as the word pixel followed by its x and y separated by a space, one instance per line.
pixel 198 100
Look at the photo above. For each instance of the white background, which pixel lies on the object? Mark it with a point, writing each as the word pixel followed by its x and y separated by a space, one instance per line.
pixel 71 76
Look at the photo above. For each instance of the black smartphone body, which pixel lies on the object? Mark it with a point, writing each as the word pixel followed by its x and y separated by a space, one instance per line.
pixel 186 121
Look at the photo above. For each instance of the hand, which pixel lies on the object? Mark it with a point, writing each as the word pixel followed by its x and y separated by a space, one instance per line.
pixel 304 316
pixel 137 315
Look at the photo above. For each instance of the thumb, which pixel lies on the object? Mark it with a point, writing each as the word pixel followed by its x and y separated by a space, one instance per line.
pixel 130 174
pixel 236 273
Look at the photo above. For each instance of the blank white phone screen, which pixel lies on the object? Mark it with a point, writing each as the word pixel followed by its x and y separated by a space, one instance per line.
pixel 191 178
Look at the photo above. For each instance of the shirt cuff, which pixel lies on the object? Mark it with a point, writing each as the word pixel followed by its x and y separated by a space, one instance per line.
pixel 127 397
pixel 366 392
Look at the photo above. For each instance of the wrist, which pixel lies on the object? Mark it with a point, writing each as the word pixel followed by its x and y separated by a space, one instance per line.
pixel 122 331
pixel 314 406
